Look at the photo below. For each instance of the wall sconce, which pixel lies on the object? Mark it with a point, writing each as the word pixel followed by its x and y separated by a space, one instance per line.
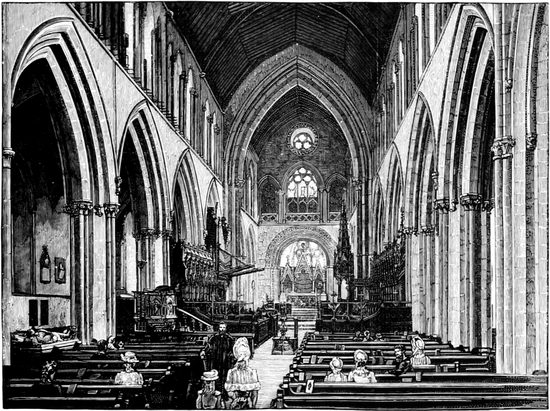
pixel 45 266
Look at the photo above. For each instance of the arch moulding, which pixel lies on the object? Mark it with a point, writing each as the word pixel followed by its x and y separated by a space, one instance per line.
pixel 291 235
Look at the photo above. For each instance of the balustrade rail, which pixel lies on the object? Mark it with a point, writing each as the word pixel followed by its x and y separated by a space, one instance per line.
pixel 269 218
pixel 348 310
pixel 302 217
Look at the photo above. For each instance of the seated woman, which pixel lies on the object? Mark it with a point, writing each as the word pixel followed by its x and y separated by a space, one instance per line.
pixel 209 398
pixel 361 373
pixel 129 377
pixel 336 365
pixel 47 387
pixel 242 384
pixel 418 356
pixel 367 337
pixel 357 336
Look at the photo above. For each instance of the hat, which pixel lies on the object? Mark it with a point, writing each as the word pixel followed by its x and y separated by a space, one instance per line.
pixel 210 375
pixel 336 362
pixel 241 350
pixel 360 355
pixel 418 343
pixel 129 357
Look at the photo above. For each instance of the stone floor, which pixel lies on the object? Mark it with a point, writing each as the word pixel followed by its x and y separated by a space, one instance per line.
pixel 271 369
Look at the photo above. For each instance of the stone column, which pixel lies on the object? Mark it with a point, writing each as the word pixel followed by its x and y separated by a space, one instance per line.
pixel 217 149
pixel 148 236
pixel 323 209
pixel 81 290
pixel 442 206
pixel 428 232
pixel 358 184
pixel 210 149
pixel 166 236
pixel 282 207
pixel 486 277
pixel 471 204
pixel 182 104
pixel 509 332
pixel 193 119
pixel 7 257
pixel 110 267
pixel 500 302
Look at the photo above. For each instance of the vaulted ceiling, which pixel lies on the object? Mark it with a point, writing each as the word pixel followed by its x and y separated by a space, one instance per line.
pixel 297 105
pixel 231 39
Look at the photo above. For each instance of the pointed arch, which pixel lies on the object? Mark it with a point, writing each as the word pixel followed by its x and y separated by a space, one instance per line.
pixel 188 208
pixel 394 195
pixel 57 42
pixel 419 184
pixel 378 212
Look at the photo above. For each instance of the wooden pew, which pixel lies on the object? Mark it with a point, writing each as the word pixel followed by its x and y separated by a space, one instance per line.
pixel 20 395
pixel 411 395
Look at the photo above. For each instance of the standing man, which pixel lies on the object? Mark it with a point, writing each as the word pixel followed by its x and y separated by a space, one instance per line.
pixel 218 354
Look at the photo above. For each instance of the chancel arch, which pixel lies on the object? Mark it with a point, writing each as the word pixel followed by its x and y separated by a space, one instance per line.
pixel 325 245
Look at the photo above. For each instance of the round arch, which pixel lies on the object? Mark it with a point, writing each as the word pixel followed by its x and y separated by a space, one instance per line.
pixel 292 234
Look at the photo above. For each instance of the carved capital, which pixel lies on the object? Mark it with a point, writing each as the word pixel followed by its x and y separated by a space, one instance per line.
pixel 148 233
pixel 7 155
pixel 488 205
pixel 508 143
pixel 193 92
pixel 471 202
pixel 97 210
pixel 531 141
pixel 357 183
pixel 391 87
pixel 77 207
pixel 427 230
pixel 443 205
pixel 166 234
pixel 408 231
pixel 216 129
pixel 203 108
pixel 110 209
pixel 210 118
pixel 502 148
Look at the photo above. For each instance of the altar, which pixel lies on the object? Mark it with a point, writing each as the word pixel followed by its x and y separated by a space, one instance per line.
pixel 303 275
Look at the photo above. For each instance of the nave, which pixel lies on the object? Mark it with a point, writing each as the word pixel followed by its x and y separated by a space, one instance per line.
pixel 172 166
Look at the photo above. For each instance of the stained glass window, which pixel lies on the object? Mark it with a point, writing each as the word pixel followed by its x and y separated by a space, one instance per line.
pixel 302 139
pixel 302 192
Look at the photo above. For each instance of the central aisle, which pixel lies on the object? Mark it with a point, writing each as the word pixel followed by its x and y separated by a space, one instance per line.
pixel 271 370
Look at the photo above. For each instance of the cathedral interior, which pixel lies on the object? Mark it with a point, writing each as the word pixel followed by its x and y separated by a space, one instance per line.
pixel 318 169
